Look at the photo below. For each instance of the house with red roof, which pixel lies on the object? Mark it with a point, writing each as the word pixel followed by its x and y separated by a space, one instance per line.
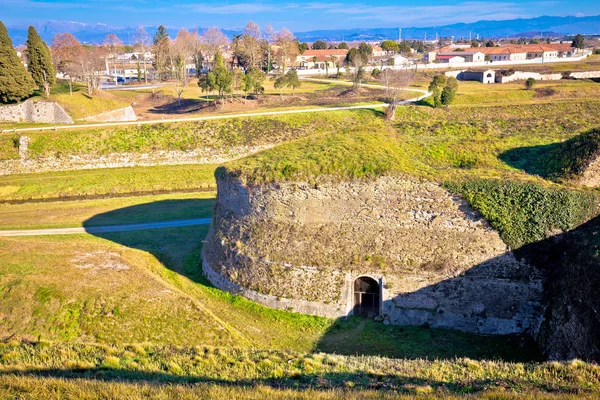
pixel 320 59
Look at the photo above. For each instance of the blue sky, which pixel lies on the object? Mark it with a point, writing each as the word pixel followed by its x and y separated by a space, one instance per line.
pixel 296 15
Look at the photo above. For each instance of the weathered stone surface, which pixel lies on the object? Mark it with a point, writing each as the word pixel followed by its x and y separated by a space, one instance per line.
pixel 35 111
pixel 585 74
pixel 25 164
pixel 591 175
pixel 122 114
pixel 437 261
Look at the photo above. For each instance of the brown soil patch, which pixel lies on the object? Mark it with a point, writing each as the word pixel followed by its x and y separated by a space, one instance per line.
pixel 159 105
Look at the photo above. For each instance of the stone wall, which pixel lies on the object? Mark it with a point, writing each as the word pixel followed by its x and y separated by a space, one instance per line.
pixel 300 247
pixel 35 111
pixel 521 76
pixel 122 114
pixel 585 75
pixel 25 164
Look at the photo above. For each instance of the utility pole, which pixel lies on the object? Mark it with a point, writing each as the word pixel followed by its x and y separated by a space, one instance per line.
pixel 399 35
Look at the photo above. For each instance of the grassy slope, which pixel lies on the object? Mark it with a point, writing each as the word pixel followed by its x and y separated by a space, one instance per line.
pixel 220 134
pixel 111 182
pixel 80 104
pixel 432 143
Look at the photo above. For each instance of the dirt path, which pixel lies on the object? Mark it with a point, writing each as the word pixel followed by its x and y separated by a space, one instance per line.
pixel 106 229
pixel 228 116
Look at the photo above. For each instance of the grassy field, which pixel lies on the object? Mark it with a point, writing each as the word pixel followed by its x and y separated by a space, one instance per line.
pixel 474 93
pixel 168 365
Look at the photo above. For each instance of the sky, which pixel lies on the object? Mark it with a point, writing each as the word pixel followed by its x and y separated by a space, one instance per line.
pixel 297 15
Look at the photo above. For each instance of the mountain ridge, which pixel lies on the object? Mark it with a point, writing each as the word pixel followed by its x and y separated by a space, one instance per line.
pixel 544 25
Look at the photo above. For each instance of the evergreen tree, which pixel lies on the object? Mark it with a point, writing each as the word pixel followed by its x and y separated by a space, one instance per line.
pixel 436 87
pixel 578 42
pixel 161 51
pixel 15 83
pixel 449 91
pixel 292 79
pixel 39 61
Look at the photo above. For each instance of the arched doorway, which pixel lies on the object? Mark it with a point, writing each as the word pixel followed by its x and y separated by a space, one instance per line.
pixel 366 297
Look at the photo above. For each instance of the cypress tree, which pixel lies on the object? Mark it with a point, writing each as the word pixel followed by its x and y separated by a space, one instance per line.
pixel 40 63
pixel 15 83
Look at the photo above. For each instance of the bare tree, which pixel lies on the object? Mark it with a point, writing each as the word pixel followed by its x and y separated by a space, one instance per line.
pixel 180 53
pixel 113 46
pixel 396 80
pixel 90 65
pixel 269 36
pixel 197 56
pixel 250 44
pixel 287 47
pixel 143 42
pixel 213 39
pixel 66 52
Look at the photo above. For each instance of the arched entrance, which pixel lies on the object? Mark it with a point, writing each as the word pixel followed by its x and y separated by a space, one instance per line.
pixel 366 297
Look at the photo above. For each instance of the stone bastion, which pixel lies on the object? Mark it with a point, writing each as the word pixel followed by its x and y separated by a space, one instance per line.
pixel 400 250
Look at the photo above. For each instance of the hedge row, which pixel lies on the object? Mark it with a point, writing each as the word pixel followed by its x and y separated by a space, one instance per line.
pixel 525 212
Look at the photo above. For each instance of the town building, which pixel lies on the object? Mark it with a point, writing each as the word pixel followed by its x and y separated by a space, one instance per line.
pixel 320 59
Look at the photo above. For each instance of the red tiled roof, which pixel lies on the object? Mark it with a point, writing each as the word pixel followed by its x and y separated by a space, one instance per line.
pixel 328 52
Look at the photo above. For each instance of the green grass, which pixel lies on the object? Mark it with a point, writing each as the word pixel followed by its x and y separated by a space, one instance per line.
pixel 168 365
pixel 219 134
pixel 475 94
pixel 437 144
pixel 80 104
pixel 107 182
pixel 135 209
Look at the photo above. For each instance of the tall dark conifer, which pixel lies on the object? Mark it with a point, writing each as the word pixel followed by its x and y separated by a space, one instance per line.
pixel 39 62
pixel 15 83
pixel 161 51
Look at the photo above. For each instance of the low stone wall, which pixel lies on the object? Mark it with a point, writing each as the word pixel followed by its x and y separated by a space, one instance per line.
pixel 585 75
pixel 120 115
pixel 521 76
pixel 25 164
pixel 300 247
pixel 35 111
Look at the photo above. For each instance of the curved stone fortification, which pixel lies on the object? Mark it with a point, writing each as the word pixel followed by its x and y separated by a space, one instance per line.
pixel 35 111
pixel 407 251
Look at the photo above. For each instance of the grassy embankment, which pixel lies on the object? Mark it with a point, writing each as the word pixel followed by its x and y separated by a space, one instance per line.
pixel 80 104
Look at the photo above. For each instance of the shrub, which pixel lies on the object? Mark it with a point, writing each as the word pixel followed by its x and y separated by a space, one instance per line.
pixel 376 73
pixel 574 156
pixel 524 212
pixel 530 83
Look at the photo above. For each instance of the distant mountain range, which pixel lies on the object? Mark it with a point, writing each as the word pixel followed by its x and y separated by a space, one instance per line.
pixel 548 26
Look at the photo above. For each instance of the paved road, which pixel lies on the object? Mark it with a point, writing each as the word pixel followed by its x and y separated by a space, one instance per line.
pixel 106 229
pixel 226 116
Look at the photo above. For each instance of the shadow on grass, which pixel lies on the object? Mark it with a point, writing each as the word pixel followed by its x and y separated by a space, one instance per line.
pixel 178 249
pixel 304 381
pixel 533 160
